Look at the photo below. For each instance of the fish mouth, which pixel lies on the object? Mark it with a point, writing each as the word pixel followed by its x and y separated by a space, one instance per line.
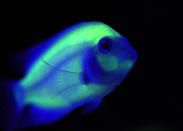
pixel 129 61
pixel 132 54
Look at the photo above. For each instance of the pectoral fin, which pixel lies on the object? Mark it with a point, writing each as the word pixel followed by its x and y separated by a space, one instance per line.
pixel 91 106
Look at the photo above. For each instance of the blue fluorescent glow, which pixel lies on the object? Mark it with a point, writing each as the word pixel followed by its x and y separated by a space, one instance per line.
pixel 79 65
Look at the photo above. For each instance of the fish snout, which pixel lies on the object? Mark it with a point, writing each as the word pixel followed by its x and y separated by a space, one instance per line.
pixel 132 54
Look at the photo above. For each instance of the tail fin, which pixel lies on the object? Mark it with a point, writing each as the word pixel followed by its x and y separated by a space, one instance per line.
pixel 10 108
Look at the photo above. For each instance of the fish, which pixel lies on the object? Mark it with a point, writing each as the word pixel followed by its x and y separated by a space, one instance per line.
pixel 77 67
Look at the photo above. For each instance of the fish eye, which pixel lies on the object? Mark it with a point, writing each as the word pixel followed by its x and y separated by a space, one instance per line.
pixel 105 45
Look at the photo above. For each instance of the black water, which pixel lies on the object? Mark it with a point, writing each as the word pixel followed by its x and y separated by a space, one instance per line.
pixel 150 98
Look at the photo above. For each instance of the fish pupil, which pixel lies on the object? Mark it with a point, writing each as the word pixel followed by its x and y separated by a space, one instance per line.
pixel 105 45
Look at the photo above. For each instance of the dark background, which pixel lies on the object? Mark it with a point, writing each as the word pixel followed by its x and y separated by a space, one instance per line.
pixel 150 97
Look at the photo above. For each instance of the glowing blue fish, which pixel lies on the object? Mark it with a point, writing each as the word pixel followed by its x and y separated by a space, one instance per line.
pixel 77 66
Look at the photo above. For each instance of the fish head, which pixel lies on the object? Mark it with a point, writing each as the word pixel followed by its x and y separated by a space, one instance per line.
pixel 108 62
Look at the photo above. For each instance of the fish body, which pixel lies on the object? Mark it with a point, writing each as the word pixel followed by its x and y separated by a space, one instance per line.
pixel 78 66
